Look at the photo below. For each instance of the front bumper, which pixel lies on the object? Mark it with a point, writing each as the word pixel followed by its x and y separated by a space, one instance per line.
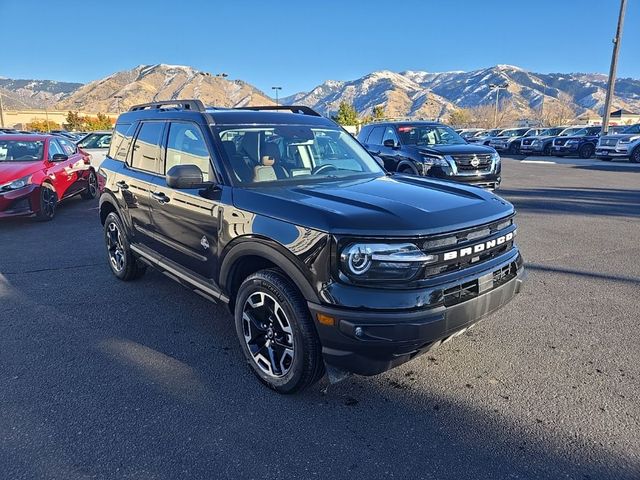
pixel 22 202
pixel 611 152
pixel 368 342
pixel 490 179
pixel 559 150
pixel 531 148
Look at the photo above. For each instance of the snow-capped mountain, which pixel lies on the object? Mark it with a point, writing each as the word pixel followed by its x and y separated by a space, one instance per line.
pixel 418 93
pixel 24 94
pixel 146 83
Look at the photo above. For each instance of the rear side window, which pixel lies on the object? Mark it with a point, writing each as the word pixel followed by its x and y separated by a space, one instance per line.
pixel 375 138
pixel 68 147
pixel 146 149
pixel 120 141
pixel 186 146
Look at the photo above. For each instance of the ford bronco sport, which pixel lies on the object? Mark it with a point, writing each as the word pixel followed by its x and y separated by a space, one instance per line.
pixel 327 262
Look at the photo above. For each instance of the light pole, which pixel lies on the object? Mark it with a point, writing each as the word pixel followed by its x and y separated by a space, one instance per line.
pixel 613 68
pixel 118 98
pixel 276 90
pixel 1 112
pixel 497 88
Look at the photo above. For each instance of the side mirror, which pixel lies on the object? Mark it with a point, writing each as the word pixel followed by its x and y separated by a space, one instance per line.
pixel 379 161
pixel 186 176
pixel 59 157
pixel 389 143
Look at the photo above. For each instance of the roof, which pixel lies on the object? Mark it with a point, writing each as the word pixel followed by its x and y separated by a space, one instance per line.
pixel 194 110
pixel 622 111
pixel 403 122
pixel 25 136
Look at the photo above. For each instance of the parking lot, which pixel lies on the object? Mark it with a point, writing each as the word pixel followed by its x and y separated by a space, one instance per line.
pixel 105 379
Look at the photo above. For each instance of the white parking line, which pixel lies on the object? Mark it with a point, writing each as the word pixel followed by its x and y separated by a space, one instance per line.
pixel 537 161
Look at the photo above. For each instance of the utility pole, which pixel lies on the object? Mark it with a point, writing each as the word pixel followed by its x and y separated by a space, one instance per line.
pixel 497 88
pixel 276 90
pixel 1 112
pixel 613 69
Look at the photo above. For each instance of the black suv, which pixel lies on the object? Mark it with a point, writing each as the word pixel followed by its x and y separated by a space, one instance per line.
pixel 433 150
pixel 326 261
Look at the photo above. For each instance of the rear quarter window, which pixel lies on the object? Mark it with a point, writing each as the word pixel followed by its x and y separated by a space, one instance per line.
pixel 120 141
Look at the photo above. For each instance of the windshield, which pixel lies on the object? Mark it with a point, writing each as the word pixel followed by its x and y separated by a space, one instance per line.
pixel 513 133
pixel 293 153
pixel 96 140
pixel 632 129
pixel 551 132
pixel 20 150
pixel 429 135
pixel 586 131
pixel 569 131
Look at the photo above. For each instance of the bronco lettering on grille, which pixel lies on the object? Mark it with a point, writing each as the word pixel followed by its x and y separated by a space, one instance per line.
pixel 480 247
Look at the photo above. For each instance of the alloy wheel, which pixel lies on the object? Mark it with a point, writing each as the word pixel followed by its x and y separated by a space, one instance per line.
pixel 48 202
pixel 115 247
pixel 268 334
pixel 93 185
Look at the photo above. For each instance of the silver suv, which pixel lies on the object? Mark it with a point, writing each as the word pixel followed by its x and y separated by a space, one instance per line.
pixel 622 145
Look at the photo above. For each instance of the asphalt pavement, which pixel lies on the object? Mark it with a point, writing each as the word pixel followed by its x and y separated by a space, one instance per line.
pixel 145 380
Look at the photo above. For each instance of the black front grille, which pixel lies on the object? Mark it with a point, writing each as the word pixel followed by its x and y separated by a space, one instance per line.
pixel 527 141
pixel 609 142
pixel 467 291
pixel 472 162
pixel 559 141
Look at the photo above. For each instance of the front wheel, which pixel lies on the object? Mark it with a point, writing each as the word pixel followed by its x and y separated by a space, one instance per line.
pixel 276 332
pixel 547 150
pixel 514 148
pixel 635 156
pixel 122 261
pixel 48 203
pixel 586 151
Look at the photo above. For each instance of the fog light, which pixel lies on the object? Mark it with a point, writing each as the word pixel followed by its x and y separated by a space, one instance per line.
pixel 359 332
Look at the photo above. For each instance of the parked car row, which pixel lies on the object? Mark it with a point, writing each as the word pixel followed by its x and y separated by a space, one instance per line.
pixel 583 141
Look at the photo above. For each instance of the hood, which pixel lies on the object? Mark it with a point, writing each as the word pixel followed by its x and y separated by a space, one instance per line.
pixel 580 137
pixel 10 171
pixel 461 149
pixel 395 205
pixel 621 136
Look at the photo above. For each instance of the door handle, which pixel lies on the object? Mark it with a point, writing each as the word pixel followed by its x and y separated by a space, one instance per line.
pixel 122 184
pixel 160 197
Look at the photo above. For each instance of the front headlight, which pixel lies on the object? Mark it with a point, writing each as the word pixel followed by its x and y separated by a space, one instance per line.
pixel 495 156
pixel 363 262
pixel 16 184
pixel 629 140
pixel 436 160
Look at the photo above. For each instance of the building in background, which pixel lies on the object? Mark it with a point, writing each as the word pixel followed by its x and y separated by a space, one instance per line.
pixel 619 117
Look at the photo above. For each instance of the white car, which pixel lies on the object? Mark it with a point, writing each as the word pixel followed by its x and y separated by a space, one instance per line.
pixel 96 144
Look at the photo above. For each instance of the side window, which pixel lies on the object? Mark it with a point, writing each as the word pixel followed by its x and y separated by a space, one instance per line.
pixel 121 141
pixel 186 146
pixel 146 149
pixel 68 147
pixel 54 149
pixel 375 138
pixel 390 134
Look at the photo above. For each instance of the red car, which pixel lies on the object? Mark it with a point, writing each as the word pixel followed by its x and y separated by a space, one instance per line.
pixel 39 171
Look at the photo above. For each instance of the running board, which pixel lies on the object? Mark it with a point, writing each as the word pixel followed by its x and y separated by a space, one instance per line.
pixel 175 272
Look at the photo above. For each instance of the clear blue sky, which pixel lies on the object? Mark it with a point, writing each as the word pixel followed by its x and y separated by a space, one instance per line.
pixel 299 44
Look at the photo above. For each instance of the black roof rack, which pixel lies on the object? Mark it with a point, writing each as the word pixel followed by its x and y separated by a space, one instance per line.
pixel 195 105
pixel 291 108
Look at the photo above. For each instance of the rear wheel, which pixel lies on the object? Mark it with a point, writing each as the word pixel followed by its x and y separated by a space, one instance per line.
pixel 122 261
pixel 635 156
pixel 48 203
pixel 407 170
pixel 92 187
pixel 276 332
pixel 586 151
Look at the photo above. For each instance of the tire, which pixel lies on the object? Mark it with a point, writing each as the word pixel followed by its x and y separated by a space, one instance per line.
pixel 586 151
pixel 276 333
pixel 48 203
pixel 547 150
pixel 635 156
pixel 122 261
pixel 92 188
pixel 514 148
